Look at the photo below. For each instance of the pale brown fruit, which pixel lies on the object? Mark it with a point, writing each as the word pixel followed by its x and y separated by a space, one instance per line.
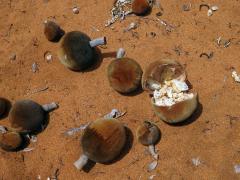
pixel 103 140
pixel 10 141
pixel 52 31
pixel 124 75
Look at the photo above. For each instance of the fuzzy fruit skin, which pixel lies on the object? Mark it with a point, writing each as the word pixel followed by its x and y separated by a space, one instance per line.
pixel 178 112
pixel 140 7
pixel 148 133
pixel 52 31
pixel 103 140
pixel 75 51
pixel 160 71
pixel 26 116
pixel 3 106
pixel 124 75
pixel 10 141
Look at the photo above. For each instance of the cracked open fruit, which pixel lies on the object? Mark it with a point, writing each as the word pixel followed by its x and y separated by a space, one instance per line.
pixel 102 142
pixel 124 74
pixel 172 101
pixel 10 140
pixel 141 7
pixel 52 31
pixel 77 51
pixel 28 116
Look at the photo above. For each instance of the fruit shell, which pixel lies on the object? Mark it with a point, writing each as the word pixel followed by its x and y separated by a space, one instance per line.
pixel 160 71
pixel 177 112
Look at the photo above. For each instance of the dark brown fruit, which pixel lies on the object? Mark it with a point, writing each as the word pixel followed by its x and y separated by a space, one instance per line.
pixel 52 31
pixel 75 51
pixel 103 140
pixel 148 133
pixel 177 112
pixel 10 141
pixel 140 7
pixel 160 71
pixel 3 106
pixel 26 116
pixel 124 75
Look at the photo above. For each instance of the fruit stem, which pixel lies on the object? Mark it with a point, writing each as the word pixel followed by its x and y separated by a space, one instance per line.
pixel 151 149
pixel 120 53
pixel 82 161
pixel 50 107
pixel 98 41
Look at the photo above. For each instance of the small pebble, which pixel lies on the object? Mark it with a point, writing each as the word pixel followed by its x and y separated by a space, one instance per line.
pixel 237 168
pixel 75 10
pixel 186 7
pixel 196 161
pixel 13 57
pixel 48 56
pixel 34 67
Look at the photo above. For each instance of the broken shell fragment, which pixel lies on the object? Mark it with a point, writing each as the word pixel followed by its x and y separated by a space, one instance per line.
pixel 176 112
pixel 10 141
pixel 124 74
pixel 148 133
pixel 52 31
pixel 141 7
pixel 102 141
pixel 160 71
pixel 77 50
pixel 3 106
pixel 28 116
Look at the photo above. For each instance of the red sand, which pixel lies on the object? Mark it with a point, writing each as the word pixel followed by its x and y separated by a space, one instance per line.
pixel 214 135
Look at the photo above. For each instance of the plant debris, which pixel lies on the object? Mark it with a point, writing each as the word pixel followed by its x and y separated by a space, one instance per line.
pixel 152 166
pixel 237 168
pixel 151 177
pixel 12 57
pixel 120 9
pixel 209 56
pixel 131 26
pixel 224 43
pixel 2 129
pixel 196 161
pixel 35 67
pixel 115 113
pixel 72 131
pixel 235 76
pixel 27 149
pixel 186 7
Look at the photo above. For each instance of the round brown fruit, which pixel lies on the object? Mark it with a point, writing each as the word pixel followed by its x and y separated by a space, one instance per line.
pixel 103 140
pixel 124 75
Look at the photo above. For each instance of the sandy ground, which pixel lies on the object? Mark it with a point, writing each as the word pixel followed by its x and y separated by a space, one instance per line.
pixel 212 135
